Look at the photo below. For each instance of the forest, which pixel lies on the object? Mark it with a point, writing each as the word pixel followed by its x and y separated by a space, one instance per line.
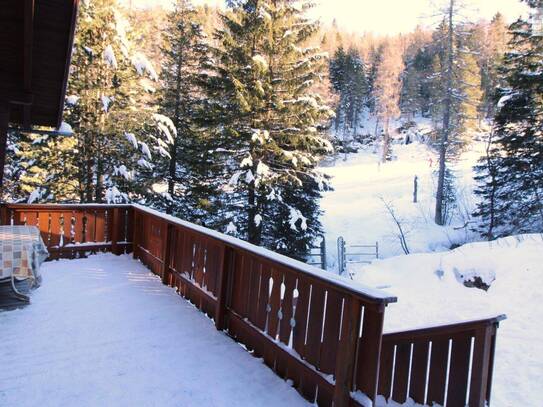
pixel 222 116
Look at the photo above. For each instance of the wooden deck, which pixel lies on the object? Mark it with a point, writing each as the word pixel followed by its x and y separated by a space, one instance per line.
pixel 321 333
pixel 104 331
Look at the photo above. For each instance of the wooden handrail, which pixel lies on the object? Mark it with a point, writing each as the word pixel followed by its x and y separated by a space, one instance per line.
pixel 322 332
pixel 448 329
pixel 359 290
pixel 434 364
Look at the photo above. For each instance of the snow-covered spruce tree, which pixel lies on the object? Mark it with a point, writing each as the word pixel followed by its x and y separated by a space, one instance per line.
pixel 185 172
pixel 374 62
pixel 415 92
pixel 266 122
pixel 337 82
pixel 510 177
pixel 41 168
pixel 108 107
pixel 457 97
pixel 348 80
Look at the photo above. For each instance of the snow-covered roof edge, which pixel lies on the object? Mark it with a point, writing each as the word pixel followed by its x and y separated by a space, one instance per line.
pixel 369 293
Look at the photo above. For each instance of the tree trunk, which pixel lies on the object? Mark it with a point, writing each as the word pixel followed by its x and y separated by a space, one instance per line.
pixel 177 117
pixel 440 194
pixel 386 140
pixel 492 200
pixel 88 170
pixel 253 231
pixel 99 191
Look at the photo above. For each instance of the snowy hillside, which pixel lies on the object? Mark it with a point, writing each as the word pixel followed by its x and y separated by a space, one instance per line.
pixel 431 282
pixel 356 211
pixel 430 291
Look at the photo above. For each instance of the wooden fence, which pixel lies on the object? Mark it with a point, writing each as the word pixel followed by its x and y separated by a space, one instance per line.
pixel 323 333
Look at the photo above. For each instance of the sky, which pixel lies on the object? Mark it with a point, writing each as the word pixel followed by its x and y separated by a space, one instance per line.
pixel 387 16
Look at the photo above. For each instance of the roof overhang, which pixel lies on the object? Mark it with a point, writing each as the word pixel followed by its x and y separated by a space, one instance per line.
pixel 36 40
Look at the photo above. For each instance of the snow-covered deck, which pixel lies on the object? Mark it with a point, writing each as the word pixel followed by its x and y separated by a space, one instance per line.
pixel 104 331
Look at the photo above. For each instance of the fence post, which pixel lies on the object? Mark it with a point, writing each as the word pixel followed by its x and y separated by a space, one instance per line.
pixel 346 354
pixel 323 253
pixel 226 266
pixel 341 255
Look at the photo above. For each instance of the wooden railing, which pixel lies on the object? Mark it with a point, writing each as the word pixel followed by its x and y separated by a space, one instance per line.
pixel 451 363
pixel 70 231
pixel 322 332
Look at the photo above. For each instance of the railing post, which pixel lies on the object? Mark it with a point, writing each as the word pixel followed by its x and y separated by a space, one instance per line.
pixel 369 354
pixel 346 354
pixel 136 230
pixel 481 369
pixel 115 217
pixel 166 253
pixel 226 262
pixel 4 215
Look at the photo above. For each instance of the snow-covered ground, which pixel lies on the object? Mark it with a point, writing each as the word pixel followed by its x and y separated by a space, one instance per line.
pixel 104 331
pixel 355 209
pixel 430 291
pixel 429 282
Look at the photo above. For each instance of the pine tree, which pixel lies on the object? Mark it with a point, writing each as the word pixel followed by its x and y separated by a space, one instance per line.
pixel 375 61
pixel 40 168
pixel 357 88
pixel 415 93
pixel 108 108
pixel 348 80
pixel 511 175
pixel 266 124
pixel 338 79
pixel 457 96
pixel 187 189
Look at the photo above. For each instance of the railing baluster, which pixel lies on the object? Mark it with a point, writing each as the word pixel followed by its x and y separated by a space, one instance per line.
pixel 166 253
pixel 370 350
pixel 347 352
pixel 225 271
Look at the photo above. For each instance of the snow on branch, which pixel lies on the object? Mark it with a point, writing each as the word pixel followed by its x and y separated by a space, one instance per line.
pixel 295 216
pixel 143 66
pixel 132 139
pixel 109 57
pixel 166 127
